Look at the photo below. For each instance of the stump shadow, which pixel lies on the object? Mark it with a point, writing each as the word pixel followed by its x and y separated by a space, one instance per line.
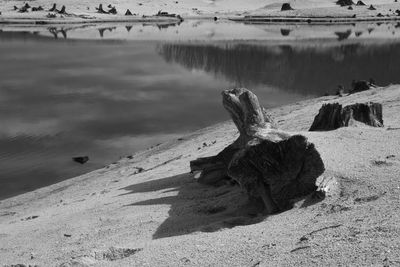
pixel 196 207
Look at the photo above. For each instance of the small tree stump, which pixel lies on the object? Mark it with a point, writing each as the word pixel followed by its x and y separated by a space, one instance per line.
pixel 269 164
pixel 361 85
pixel 345 2
pixel 53 8
pixel 286 6
pixel 101 10
pixel 62 11
pixel 333 116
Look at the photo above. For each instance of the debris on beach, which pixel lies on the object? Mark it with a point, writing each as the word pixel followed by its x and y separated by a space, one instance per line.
pixel 345 2
pixel 286 6
pixel 333 116
pixel 23 9
pixel 114 253
pixel 39 8
pixel 101 10
pixel 81 160
pixel 166 14
pixel 53 8
pixel 128 13
pixel 62 11
pixel 51 15
pixel 361 85
pixel 113 10
pixel 30 218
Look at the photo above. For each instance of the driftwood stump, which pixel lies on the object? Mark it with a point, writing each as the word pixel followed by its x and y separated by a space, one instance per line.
pixel 101 10
pixel 344 2
pixel 53 8
pixel 269 164
pixel 286 6
pixel 361 85
pixel 334 116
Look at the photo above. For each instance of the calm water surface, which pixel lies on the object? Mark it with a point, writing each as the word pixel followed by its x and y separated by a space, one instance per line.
pixel 109 92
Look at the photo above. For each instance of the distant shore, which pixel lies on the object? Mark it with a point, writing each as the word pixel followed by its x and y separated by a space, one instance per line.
pixel 14 12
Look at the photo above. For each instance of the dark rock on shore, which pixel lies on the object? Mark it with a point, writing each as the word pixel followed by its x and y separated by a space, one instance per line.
pixel 81 160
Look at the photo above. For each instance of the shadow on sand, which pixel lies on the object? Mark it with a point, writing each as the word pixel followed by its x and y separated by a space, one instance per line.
pixel 197 207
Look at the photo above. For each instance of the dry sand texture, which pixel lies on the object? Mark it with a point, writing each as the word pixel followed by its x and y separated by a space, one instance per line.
pixel 147 210
pixel 84 10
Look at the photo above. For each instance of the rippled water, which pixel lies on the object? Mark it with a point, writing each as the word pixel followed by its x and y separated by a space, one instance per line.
pixel 105 94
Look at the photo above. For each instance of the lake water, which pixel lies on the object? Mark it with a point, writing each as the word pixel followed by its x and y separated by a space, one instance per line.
pixel 107 92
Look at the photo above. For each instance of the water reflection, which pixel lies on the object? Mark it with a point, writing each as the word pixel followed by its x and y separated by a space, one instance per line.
pixel 64 99
pixel 102 30
pixel 285 32
pixel 343 35
pixel 55 32
pixel 213 30
pixel 306 69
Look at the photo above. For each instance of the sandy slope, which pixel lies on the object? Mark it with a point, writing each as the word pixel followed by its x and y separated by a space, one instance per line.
pixel 84 10
pixel 173 221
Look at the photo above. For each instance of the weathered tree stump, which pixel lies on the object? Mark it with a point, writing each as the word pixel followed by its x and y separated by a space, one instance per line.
pixel 286 6
pixel 344 2
pixel 333 116
pixel 53 8
pixel 112 10
pixel 101 10
pixel 128 13
pixel 269 164
pixel 361 85
pixel 62 11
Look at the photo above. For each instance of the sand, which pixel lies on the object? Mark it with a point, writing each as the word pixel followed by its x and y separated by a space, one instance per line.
pixel 84 11
pixel 148 210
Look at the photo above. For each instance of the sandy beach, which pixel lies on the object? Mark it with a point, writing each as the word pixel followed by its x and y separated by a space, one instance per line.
pixel 317 11
pixel 148 210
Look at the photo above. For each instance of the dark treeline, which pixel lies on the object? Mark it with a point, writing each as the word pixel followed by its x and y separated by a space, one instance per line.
pixel 310 69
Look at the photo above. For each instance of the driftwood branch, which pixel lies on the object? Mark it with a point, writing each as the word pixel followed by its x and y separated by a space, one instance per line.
pixel 269 164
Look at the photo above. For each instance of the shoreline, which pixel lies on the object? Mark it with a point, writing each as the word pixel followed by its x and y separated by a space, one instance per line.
pixel 257 12
pixel 246 19
pixel 159 209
